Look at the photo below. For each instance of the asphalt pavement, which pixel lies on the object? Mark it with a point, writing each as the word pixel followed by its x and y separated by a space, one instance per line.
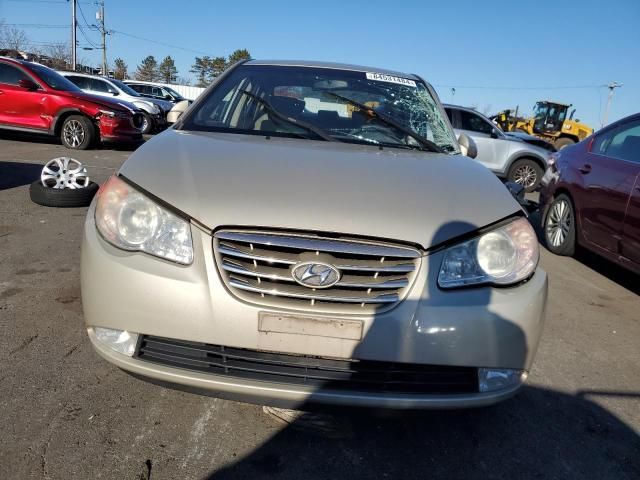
pixel 66 413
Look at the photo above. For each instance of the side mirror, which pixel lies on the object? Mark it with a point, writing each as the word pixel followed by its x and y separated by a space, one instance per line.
pixel 28 84
pixel 168 97
pixel 177 110
pixel 115 94
pixel 468 146
pixel 494 134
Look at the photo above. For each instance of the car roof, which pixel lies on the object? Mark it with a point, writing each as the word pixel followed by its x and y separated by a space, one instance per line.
pixel 81 74
pixel 331 65
pixel 142 82
pixel 468 109
pixel 459 107
pixel 18 61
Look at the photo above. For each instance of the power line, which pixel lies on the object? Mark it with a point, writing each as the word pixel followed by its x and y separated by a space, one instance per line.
pixel 87 38
pixel 160 43
pixel 85 18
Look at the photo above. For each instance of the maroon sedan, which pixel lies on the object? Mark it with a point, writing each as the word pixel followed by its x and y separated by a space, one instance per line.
pixel 591 195
pixel 35 99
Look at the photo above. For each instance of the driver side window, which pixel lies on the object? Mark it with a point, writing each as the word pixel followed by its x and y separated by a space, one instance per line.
pixel 101 86
pixel 11 75
pixel 474 123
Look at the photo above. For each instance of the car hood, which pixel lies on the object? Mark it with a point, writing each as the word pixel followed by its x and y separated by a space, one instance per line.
pixel 104 102
pixel 244 180
pixel 164 105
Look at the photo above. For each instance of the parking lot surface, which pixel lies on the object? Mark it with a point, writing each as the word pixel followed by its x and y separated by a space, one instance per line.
pixel 67 414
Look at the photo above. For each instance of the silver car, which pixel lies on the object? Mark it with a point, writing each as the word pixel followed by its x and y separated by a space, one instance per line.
pixel 310 233
pixel 507 156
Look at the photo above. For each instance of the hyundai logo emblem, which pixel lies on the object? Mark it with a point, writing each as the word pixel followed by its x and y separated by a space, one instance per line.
pixel 315 274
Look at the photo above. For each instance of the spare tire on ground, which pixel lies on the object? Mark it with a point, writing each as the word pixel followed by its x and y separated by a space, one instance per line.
pixel 62 197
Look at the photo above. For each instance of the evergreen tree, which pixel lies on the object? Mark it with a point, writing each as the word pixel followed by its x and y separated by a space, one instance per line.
pixel 148 70
pixel 167 70
pixel 120 69
pixel 240 54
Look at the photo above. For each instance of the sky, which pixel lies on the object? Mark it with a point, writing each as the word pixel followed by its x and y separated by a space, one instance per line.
pixel 496 54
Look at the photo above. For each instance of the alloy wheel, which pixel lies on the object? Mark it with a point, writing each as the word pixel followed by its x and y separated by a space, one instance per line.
pixel 525 175
pixel 74 133
pixel 558 223
pixel 64 172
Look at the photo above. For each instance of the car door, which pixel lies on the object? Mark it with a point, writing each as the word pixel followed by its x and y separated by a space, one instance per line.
pixel 102 88
pixel 609 173
pixel 630 245
pixel 20 106
pixel 493 150
pixel 83 83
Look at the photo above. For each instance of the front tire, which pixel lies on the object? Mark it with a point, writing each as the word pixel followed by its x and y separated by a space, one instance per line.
pixel 560 226
pixel 526 172
pixel 62 197
pixel 147 123
pixel 78 132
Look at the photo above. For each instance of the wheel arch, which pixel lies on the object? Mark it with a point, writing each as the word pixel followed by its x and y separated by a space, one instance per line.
pixel 525 156
pixel 563 190
pixel 63 114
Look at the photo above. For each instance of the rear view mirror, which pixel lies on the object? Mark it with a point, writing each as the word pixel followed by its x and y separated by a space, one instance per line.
pixel 28 84
pixel 467 146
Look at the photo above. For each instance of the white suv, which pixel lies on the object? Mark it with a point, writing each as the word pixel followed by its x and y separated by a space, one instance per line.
pixel 154 115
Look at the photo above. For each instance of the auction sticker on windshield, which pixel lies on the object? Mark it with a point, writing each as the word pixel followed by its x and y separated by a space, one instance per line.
pixel 383 77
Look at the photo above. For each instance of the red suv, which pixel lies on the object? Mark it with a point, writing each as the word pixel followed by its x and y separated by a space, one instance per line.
pixel 35 99
pixel 591 195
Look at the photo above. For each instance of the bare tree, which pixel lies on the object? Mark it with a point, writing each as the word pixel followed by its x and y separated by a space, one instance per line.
pixel 13 38
pixel 59 56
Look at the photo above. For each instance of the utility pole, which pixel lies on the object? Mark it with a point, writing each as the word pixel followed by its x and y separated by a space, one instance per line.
pixel 73 35
pixel 104 33
pixel 612 86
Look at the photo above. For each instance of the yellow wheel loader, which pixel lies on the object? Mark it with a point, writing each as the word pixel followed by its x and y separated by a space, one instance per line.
pixel 549 122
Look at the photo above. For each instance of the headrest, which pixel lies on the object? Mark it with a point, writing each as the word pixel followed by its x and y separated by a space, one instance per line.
pixel 631 146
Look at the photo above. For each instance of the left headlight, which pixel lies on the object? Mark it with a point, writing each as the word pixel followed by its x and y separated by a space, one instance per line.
pixel 129 220
pixel 148 106
pixel 504 256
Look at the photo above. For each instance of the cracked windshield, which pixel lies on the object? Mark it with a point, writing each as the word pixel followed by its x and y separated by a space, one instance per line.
pixel 315 103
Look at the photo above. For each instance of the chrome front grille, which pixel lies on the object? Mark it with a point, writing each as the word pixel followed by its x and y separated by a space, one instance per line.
pixel 257 267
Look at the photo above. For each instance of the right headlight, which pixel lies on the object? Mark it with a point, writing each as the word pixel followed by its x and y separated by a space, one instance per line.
pixel 504 256
pixel 131 221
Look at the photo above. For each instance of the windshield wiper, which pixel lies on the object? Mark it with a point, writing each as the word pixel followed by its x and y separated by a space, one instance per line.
pixel 426 144
pixel 307 126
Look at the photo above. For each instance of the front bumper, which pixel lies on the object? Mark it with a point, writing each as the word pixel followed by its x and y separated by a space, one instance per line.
pixel 159 120
pixel 115 129
pixel 481 327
